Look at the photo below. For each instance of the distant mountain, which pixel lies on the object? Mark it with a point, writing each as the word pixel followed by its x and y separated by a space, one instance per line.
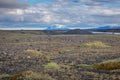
pixel 106 27
pixel 56 28
pixel 54 32
pixel 78 31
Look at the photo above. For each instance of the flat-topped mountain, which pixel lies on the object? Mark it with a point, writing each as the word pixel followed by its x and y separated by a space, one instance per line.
pixel 78 31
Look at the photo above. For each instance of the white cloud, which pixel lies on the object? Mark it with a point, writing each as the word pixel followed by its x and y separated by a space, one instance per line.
pixel 65 13
pixel 59 26
pixel 47 18
pixel 15 12
pixel 12 4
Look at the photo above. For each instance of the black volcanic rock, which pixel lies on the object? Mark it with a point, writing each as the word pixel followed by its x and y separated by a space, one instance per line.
pixel 78 31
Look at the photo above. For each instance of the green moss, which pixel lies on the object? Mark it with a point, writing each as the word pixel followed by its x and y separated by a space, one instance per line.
pixel 84 66
pixel 27 75
pixel 4 77
pixel 33 52
pixel 96 44
pixel 46 57
pixel 52 65
pixel 105 65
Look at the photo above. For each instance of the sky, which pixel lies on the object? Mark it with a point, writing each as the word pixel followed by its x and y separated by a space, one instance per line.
pixel 39 14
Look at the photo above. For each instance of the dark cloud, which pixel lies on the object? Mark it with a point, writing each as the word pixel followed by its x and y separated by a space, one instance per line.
pixel 12 4
pixel 108 18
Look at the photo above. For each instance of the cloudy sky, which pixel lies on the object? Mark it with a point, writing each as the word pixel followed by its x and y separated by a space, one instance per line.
pixel 59 13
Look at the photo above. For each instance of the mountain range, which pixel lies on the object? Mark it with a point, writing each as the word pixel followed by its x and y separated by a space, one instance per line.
pixel 106 27
pixel 98 28
pixel 56 28
pixel 53 32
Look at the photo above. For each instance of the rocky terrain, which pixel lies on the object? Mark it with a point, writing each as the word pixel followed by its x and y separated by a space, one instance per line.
pixel 74 56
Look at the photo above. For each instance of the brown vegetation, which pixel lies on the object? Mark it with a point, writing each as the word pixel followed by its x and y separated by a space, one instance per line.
pixel 108 65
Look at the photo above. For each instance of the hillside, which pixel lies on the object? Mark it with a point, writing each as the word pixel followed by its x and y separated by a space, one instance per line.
pixel 107 29
pixel 78 31
pixel 51 32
